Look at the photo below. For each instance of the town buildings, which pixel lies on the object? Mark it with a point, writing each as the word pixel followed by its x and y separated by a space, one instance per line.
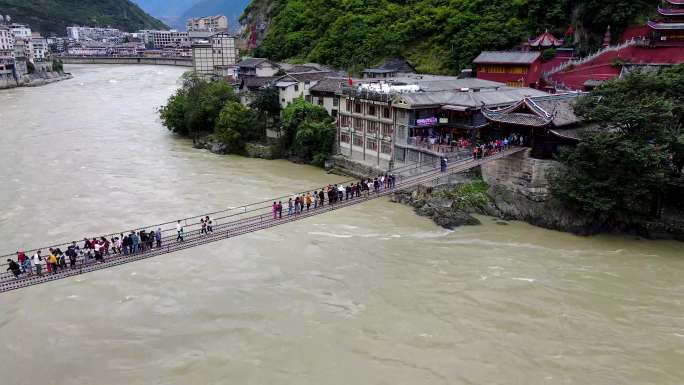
pixel 218 23
pixel 41 51
pixel 668 30
pixel 81 33
pixel 416 118
pixel 514 68
pixel 216 56
pixel 6 52
pixel 20 30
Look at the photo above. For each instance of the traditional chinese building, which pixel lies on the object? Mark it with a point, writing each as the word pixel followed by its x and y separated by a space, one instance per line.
pixel 544 41
pixel 514 68
pixel 546 122
pixel 669 28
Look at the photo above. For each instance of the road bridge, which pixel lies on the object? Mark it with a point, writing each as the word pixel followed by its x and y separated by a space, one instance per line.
pixel 234 222
pixel 168 61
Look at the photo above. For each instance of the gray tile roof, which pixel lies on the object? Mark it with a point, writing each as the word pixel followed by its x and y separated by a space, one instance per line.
pixel 490 97
pixel 258 81
pixel 329 84
pixel 251 62
pixel 310 76
pixel 557 110
pixel 507 57
pixel 392 65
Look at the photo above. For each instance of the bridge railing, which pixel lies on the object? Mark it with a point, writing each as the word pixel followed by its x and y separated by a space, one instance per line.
pixel 193 223
pixel 244 225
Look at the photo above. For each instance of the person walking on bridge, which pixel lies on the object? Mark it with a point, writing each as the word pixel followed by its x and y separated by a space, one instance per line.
pixel 14 267
pixel 158 237
pixel 179 230
pixel 280 209
pixel 275 210
pixel 38 263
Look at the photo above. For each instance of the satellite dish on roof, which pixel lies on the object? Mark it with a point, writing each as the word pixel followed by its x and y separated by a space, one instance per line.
pixel 8 18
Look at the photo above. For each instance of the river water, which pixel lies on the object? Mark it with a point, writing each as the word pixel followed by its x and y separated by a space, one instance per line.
pixel 371 294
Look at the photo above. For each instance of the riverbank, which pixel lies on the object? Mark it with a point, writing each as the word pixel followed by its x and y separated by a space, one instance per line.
pixel 35 80
pixel 516 189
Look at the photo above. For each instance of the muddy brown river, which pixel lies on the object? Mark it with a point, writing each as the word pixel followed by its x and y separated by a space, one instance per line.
pixel 372 294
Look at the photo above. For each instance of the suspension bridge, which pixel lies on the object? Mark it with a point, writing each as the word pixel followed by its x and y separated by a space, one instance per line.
pixel 235 222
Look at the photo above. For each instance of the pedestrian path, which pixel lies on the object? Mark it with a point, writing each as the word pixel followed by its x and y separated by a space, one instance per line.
pixel 235 222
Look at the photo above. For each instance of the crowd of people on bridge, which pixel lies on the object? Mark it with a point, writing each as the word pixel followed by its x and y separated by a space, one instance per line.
pixel 332 194
pixel 95 250
pixel 495 146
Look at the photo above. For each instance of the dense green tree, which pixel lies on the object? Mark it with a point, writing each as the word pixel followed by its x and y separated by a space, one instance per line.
pixel 314 141
pixel 620 170
pixel 266 106
pixel 435 35
pixel 193 110
pixel 235 127
pixel 611 178
pixel 173 113
pixel 294 115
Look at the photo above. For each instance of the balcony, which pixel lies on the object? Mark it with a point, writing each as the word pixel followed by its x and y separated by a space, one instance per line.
pixel 366 95
pixel 455 148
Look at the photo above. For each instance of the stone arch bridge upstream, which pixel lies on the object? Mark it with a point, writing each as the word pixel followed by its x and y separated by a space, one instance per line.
pixel 235 222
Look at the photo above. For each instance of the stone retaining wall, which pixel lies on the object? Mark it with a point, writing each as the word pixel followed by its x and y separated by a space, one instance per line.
pixel 521 174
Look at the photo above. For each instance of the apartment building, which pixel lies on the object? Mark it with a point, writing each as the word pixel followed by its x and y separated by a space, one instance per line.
pixel 218 23
pixel 216 56
pixel 416 118
pixel 298 85
pixel 41 51
pixel 79 33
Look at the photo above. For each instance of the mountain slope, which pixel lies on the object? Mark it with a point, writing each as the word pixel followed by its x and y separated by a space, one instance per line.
pixel 440 36
pixel 53 16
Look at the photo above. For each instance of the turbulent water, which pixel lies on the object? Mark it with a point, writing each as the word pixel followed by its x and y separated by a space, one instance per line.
pixel 367 295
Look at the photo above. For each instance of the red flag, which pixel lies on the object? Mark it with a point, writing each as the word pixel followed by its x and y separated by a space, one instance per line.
pixel 570 31
pixel 351 82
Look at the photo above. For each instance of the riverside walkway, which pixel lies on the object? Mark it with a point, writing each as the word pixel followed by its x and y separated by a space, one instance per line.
pixel 235 222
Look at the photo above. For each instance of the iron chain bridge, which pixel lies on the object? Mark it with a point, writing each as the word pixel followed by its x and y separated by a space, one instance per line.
pixel 234 222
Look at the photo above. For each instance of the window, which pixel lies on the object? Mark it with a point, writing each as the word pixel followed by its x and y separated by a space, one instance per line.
pixel 349 105
pixel 344 137
pixel 358 140
pixel 372 144
pixel 386 113
pixel 334 113
pixel 336 102
pixel 385 148
pixel 386 130
pixel 344 121
pixel 371 110
pixel 372 128
pixel 296 87
pixel 320 101
pixel 358 124
pixel 357 108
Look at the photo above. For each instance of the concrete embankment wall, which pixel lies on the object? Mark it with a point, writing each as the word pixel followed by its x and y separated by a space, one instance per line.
pixel 134 60
pixel 7 79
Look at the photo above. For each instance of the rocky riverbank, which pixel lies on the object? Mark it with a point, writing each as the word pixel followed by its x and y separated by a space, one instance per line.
pixel 35 80
pixel 515 188
pixel 252 150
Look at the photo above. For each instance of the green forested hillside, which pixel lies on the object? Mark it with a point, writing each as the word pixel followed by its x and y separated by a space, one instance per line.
pixel 54 16
pixel 435 35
